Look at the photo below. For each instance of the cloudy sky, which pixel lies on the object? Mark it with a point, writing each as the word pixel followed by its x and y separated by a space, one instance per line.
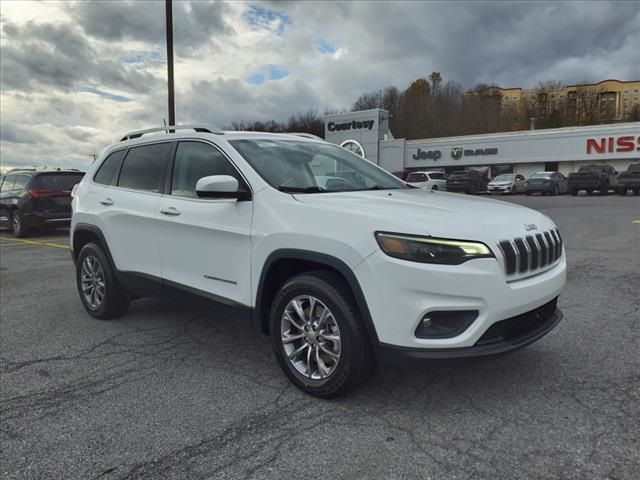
pixel 76 75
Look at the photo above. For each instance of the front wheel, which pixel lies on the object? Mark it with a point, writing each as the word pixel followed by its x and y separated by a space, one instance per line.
pixel 556 190
pixel 434 188
pixel 573 192
pixel 622 191
pixel 589 191
pixel 318 336
pixel 99 290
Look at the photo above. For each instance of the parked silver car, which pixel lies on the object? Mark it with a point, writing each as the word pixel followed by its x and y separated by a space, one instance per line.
pixel 507 183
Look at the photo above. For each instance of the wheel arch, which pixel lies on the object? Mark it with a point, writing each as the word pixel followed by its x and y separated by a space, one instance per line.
pixel 84 233
pixel 285 263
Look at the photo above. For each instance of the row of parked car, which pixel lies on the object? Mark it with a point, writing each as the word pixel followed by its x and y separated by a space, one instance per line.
pixel 588 178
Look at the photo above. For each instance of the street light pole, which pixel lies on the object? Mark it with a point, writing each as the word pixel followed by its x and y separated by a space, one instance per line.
pixel 169 18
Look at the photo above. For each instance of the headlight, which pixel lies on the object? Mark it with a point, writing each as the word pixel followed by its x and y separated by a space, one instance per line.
pixel 429 249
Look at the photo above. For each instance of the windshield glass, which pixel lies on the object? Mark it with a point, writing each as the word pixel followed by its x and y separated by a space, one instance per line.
pixel 591 168
pixel 310 167
pixel 505 178
pixel 541 175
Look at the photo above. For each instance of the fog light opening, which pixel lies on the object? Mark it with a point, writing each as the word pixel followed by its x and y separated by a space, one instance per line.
pixel 445 324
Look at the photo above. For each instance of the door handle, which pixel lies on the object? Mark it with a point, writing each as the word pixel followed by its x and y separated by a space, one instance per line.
pixel 172 211
pixel 106 201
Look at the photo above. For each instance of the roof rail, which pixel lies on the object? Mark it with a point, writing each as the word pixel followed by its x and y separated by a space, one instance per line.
pixel 306 135
pixel 171 128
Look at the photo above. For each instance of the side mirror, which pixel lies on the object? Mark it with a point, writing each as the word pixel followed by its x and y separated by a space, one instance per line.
pixel 220 186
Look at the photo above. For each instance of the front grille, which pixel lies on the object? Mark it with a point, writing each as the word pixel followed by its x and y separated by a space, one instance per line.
pixel 532 252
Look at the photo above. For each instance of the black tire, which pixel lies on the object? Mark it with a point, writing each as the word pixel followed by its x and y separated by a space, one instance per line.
pixel 622 191
pixel 17 224
pixel 528 193
pixel 604 189
pixel 573 192
pixel 435 187
pixel 115 301
pixel 589 191
pixel 356 358
pixel 556 190
pixel 636 191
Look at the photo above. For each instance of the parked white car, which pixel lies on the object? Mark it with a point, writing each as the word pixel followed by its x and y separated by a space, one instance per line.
pixel 428 180
pixel 507 183
pixel 236 223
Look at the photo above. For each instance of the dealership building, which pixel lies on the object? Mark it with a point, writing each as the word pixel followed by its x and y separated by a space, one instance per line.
pixel 562 149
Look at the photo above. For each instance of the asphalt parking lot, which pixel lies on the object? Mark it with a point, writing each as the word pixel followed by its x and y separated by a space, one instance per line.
pixel 166 392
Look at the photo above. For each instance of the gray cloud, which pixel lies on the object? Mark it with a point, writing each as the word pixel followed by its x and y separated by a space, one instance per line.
pixel 17 134
pixel 194 24
pixel 60 56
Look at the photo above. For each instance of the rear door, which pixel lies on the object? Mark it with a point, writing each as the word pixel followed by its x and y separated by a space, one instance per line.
pixel 5 201
pixel 205 243
pixel 126 203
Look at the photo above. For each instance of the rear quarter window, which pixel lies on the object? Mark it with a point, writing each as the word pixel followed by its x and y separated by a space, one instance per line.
pixel 108 170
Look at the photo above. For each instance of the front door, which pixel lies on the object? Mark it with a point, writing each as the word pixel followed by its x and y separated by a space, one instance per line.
pixel 205 245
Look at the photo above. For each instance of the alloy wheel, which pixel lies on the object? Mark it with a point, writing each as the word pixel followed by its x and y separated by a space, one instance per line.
pixel 92 279
pixel 310 337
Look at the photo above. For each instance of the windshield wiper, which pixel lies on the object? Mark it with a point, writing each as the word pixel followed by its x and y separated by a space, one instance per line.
pixel 310 189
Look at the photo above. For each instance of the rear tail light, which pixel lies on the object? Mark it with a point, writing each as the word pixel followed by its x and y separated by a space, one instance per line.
pixel 42 193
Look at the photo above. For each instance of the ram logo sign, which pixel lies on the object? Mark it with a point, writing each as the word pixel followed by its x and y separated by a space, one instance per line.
pixel 456 153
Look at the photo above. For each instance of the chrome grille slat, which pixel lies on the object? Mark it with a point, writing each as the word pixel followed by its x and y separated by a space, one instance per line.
pixel 532 252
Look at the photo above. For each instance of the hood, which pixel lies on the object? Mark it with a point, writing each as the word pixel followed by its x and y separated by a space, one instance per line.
pixel 421 212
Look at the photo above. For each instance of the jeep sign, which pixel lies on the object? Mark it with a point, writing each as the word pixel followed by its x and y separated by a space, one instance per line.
pixel 427 155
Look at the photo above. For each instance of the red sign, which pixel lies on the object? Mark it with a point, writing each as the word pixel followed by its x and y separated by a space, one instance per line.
pixel 612 144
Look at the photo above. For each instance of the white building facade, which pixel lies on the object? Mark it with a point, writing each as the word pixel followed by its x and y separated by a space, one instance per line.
pixel 562 149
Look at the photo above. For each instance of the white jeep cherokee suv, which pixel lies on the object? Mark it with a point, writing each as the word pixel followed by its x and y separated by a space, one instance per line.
pixel 339 275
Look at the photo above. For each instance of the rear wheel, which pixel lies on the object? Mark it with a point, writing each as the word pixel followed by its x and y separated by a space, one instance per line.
pixel 589 191
pixel 622 191
pixel 100 292
pixel 435 187
pixel 636 191
pixel 318 336
pixel 17 224
pixel 573 192
pixel 556 190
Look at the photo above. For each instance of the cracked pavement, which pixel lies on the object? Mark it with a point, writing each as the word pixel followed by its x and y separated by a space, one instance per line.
pixel 169 393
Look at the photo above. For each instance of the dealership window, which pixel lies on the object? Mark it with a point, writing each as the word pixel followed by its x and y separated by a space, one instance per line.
pixel 500 169
pixel 551 167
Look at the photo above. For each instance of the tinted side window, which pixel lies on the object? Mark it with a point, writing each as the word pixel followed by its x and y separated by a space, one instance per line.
pixel 7 185
pixel 437 176
pixel 109 168
pixel 21 182
pixel 195 160
pixel 144 167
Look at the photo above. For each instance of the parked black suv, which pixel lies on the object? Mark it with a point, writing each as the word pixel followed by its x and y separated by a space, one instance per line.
pixel 468 181
pixel 32 199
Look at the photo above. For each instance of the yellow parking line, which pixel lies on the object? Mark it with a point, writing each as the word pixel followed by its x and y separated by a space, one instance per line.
pixel 31 242
pixel 635 221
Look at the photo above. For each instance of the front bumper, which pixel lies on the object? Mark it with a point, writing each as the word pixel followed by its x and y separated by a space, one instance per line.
pixel 498 189
pixel 502 337
pixel 539 188
pixel 400 293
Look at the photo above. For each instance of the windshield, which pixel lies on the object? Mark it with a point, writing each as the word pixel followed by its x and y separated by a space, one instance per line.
pixel 310 167
pixel 634 167
pixel 591 168
pixel 505 178
pixel 541 175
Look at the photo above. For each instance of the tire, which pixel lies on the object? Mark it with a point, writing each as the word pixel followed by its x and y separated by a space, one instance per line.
pixel 589 191
pixel 528 194
pixel 17 224
pixel 114 301
pixel 435 187
pixel 636 191
pixel 622 191
pixel 573 192
pixel 355 358
pixel 604 189
pixel 556 190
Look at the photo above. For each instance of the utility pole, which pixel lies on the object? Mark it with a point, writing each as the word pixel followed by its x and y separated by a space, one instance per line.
pixel 169 18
